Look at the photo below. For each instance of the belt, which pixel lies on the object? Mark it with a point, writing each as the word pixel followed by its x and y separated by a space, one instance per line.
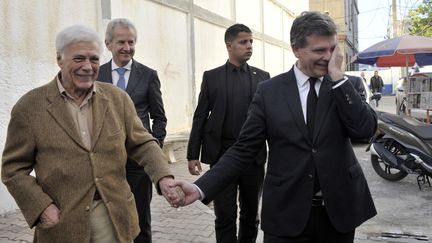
pixel 97 196
pixel 317 201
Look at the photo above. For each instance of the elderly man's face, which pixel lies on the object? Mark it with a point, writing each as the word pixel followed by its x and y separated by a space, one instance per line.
pixel 79 65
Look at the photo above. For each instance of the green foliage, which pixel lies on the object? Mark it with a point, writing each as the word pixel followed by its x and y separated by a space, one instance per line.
pixel 421 19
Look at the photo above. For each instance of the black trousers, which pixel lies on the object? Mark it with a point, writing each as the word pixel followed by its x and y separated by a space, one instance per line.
pixel 142 189
pixel 318 230
pixel 249 186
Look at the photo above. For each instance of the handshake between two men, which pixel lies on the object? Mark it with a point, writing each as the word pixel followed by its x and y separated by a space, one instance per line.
pixel 179 193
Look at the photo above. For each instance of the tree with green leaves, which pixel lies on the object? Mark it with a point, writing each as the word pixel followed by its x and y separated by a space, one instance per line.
pixel 421 19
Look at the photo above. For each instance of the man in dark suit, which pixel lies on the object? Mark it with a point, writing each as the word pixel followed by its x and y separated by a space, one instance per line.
pixel 315 189
pixel 143 86
pixel 225 95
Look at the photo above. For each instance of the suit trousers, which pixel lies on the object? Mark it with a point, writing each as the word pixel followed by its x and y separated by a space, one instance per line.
pixel 142 188
pixel 101 226
pixel 318 230
pixel 249 186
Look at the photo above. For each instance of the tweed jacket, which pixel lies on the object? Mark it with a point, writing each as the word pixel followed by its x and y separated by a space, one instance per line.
pixel 43 137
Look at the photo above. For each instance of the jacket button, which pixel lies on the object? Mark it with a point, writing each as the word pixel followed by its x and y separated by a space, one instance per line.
pixel 311 177
pixel 87 208
pixel 314 150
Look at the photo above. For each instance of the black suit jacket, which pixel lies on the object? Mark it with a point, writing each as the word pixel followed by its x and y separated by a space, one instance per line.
pixel 275 115
pixel 144 89
pixel 376 84
pixel 206 132
pixel 357 82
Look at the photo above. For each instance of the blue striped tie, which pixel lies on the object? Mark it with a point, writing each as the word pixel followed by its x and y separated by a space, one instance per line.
pixel 121 83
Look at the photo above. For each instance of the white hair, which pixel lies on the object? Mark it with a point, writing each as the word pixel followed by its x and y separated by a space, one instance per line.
pixel 76 33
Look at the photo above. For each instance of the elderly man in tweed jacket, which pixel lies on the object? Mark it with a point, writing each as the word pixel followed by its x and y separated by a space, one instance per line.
pixel 76 134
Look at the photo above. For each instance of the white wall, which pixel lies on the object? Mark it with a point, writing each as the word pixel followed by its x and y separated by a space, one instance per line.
pixel 249 12
pixel 223 8
pixel 179 39
pixel 210 50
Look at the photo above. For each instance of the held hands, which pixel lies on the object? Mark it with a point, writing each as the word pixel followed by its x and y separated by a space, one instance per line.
pixel 173 194
pixel 49 217
pixel 335 65
pixel 178 193
pixel 190 192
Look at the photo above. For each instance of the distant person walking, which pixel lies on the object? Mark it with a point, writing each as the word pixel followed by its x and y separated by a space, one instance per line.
pixel 377 85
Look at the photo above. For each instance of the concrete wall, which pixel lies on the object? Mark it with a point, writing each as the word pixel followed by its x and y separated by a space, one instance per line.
pixel 178 38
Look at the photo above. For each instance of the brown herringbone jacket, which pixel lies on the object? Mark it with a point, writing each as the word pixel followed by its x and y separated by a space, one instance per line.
pixel 43 137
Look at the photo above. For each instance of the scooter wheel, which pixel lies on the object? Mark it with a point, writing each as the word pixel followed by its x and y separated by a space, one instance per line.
pixel 385 170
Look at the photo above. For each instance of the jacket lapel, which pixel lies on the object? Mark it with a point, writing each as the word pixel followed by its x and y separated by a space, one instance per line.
pixel 223 88
pixel 105 73
pixel 100 106
pixel 254 79
pixel 59 111
pixel 133 78
pixel 294 103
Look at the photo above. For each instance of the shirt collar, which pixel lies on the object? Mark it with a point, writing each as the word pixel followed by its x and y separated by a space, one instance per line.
pixel 232 67
pixel 302 78
pixel 114 66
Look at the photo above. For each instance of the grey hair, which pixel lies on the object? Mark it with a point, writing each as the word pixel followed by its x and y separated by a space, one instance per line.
pixel 76 33
pixel 118 22
pixel 309 23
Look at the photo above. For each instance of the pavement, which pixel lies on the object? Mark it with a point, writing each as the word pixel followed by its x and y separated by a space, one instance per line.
pixel 195 223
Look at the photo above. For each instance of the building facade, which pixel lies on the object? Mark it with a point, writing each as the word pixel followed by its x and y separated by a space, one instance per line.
pixel 345 14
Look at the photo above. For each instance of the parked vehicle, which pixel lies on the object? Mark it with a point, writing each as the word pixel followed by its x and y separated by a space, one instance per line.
pixel 400 98
pixel 368 92
pixel 402 146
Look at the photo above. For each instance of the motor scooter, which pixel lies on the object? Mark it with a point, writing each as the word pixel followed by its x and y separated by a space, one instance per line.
pixel 402 145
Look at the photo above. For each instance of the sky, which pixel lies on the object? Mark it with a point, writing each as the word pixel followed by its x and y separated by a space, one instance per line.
pixel 374 18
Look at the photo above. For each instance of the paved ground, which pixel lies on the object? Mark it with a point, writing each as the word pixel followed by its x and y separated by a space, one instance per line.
pixel 402 208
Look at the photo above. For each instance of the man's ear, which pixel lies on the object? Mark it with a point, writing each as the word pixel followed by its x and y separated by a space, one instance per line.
pixel 228 45
pixel 295 50
pixel 107 44
pixel 59 59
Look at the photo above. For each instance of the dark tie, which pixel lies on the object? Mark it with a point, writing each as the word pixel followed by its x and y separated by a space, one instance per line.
pixel 121 83
pixel 312 100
